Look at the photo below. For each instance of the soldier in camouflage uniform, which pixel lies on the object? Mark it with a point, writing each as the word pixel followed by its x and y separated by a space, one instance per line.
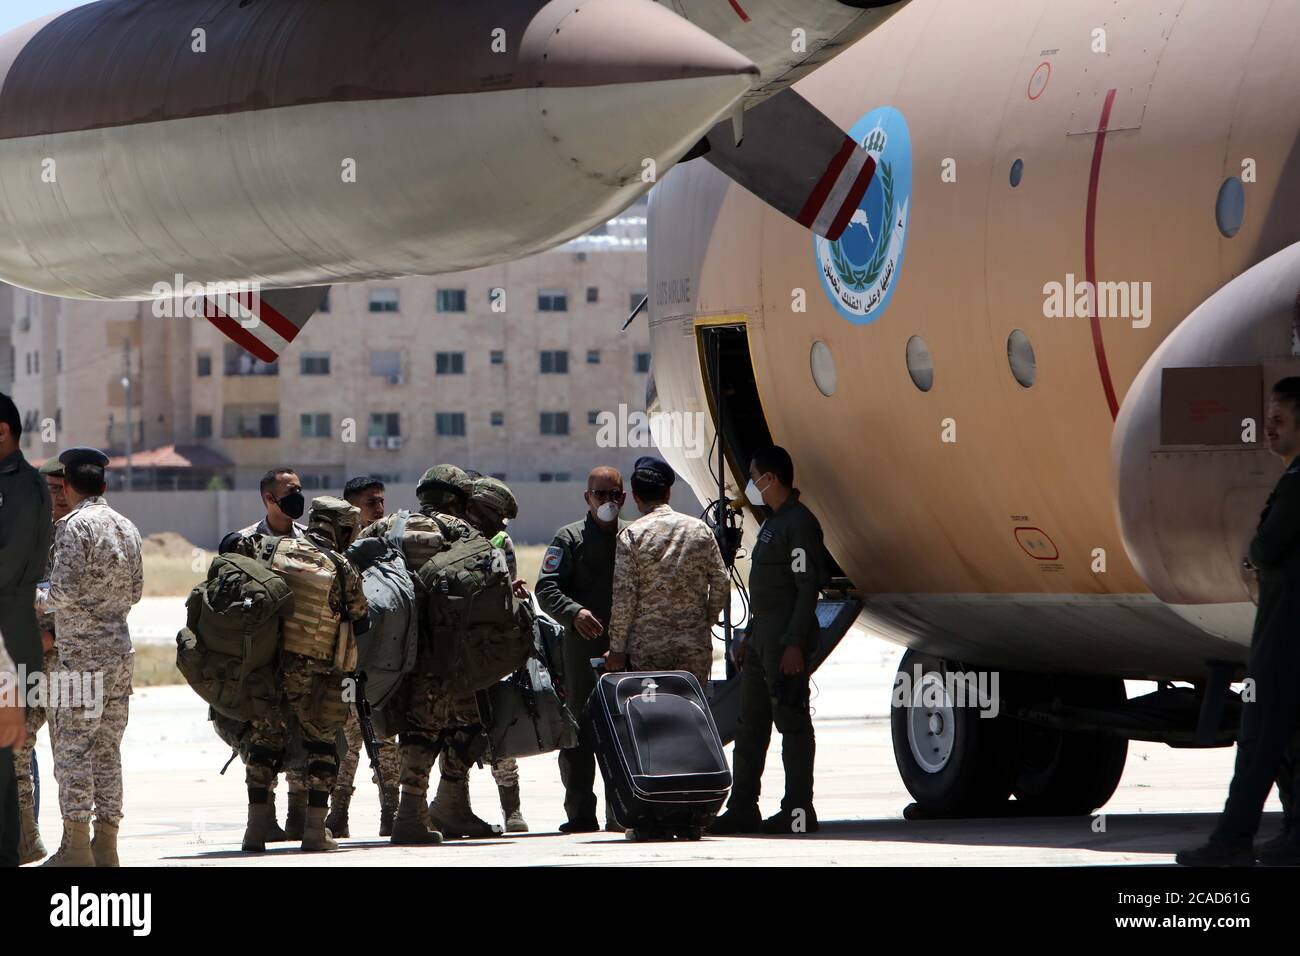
pixel 319 651
pixel 96 578
pixel 433 721
pixel 283 502
pixel 367 493
pixel 670 583
pixel 30 847
pixel 491 505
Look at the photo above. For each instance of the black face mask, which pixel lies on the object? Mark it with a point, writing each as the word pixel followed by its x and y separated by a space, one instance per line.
pixel 293 504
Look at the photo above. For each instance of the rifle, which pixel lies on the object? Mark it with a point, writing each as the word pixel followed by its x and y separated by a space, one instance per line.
pixel 367 727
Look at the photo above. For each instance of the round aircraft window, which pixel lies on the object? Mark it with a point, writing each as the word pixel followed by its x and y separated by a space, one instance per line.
pixel 1017 172
pixel 823 368
pixel 1230 209
pixel 919 364
pixel 1020 354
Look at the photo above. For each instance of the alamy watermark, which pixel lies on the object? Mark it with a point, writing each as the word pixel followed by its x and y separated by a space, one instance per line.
pixel 1105 300
pixel 64 690
pixel 955 689
pixel 682 431
pixel 241 301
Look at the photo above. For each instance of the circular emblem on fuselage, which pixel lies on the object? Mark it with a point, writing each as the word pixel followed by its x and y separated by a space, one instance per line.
pixel 860 270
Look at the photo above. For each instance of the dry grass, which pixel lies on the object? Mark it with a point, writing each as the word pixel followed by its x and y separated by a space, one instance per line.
pixel 172 576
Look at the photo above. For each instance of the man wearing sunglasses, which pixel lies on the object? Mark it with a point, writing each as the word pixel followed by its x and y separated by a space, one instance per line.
pixel 576 587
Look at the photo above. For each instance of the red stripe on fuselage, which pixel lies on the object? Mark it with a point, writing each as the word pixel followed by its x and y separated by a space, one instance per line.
pixel 1090 247
pixel 739 12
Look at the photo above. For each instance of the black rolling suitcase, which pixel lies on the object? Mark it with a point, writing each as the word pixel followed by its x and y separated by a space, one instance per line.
pixel 659 753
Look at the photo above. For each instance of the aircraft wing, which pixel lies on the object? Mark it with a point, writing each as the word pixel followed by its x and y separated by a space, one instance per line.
pixel 794 158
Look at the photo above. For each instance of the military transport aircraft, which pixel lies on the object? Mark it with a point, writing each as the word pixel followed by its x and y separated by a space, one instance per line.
pixel 284 145
pixel 1025 392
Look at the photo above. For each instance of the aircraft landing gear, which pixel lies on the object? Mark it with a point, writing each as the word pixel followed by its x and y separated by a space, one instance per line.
pixel 956 763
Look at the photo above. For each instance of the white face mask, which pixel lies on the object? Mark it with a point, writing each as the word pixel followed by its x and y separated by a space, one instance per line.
pixel 753 494
pixel 608 511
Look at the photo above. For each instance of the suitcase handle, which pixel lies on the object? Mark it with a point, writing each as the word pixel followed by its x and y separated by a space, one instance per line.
pixel 597 665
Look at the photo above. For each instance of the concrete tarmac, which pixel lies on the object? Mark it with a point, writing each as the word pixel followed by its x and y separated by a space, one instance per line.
pixel 180 811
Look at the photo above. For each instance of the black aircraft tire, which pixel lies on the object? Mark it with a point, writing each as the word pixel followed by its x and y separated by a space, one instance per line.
pixel 976 777
pixel 1065 773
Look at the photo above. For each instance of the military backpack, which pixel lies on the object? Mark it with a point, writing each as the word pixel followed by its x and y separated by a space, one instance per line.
pixel 479 632
pixel 227 649
pixel 386 652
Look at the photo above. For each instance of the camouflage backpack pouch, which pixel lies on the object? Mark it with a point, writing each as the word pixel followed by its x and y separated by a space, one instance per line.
pixel 479 632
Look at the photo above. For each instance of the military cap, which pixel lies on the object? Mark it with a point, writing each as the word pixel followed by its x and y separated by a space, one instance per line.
pixel 52 467
pixel 83 456
pixel 442 480
pixel 654 471
pixel 495 495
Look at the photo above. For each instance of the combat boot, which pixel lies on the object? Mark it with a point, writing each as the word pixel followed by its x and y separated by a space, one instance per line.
pixel 791 821
pixel 408 825
pixel 337 821
pixel 452 814
pixel 30 847
pixel 515 822
pixel 315 838
pixel 297 819
pixel 387 808
pixel 75 848
pixel 1283 850
pixel 736 820
pixel 104 846
pixel 261 817
pixel 275 833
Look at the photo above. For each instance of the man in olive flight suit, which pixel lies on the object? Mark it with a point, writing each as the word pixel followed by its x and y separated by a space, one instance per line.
pixel 1269 721
pixel 576 587
pixel 786 569
pixel 25 534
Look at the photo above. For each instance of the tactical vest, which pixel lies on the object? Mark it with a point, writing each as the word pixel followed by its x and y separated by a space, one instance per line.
pixel 315 629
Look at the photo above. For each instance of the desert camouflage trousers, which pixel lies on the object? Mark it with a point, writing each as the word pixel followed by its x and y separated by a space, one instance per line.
pixel 453 766
pixel 390 764
pixel 313 692
pixel 434 722
pixel 87 739
pixel 35 719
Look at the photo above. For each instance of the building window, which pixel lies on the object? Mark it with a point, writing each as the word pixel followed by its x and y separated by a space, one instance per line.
pixel 450 424
pixel 325 302
pixel 202 426
pixel 451 363
pixel 250 421
pixel 498 419
pixel 555 423
pixel 643 362
pixel 563 476
pixel 552 300
pixel 451 300
pixel 28 357
pixel 237 362
pixel 593 294
pixel 545 476
pixel 633 301
pixel 592 417
pixel 385 425
pixel 593 356
pixel 387 365
pixel 315 425
pixel 36 363
pixel 384 300
pixel 314 363
pixel 497 357
pixel 58 361
pixel 203 364
pixel 554 362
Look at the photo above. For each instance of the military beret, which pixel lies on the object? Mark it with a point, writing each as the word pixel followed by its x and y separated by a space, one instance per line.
pixel 495 495
pixel 334 510
pixel 52 467
pixel 83 456
pixel 653 471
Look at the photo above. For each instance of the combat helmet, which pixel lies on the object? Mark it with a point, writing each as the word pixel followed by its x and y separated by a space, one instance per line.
pixel 336 518
pixel 445 488
pixel 492 503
